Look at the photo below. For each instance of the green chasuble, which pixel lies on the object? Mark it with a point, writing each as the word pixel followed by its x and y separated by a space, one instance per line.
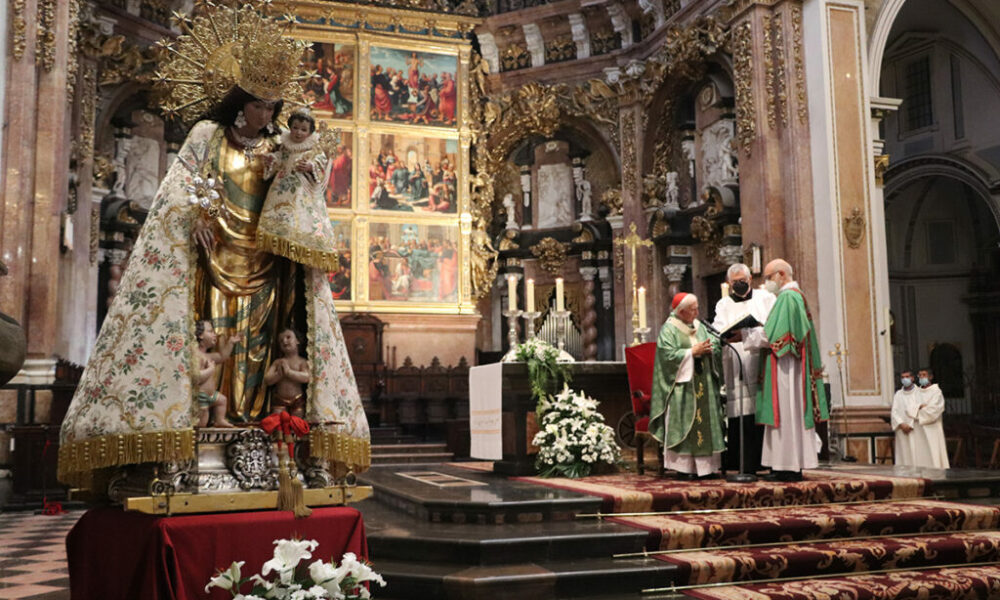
pixel 696 415
pixel 790 331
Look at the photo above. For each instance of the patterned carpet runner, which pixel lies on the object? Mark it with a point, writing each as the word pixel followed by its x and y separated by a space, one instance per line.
pixel 944 584
pixel 641 493
pixel 797 523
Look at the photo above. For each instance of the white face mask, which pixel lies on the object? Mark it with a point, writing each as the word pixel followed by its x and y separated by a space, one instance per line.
pixel 772 286
pixel 906 381
pixel 924 382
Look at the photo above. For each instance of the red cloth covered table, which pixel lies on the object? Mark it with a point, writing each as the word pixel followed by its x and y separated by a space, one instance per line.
pixel 119 555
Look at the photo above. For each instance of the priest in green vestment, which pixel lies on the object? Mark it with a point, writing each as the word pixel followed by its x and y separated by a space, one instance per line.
pixel 791 398
pixel 686 414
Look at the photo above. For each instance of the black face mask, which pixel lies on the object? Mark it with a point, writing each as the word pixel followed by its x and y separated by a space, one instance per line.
pixel 741 288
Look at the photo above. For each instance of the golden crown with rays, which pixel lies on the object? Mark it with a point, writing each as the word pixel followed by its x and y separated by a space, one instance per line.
pixel 225 46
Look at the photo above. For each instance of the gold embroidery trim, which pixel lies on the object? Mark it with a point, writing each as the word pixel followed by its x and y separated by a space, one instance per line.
pixel 320 259
pixel 337 447
pixel 78 459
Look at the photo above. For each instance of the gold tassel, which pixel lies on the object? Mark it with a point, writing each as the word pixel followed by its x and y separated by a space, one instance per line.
pixel 291 494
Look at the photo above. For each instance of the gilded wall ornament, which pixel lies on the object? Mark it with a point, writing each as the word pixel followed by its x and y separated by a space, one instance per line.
pixel 743 72
pixel 72 55
pixel 630 165
pixel 45 35
pixel 881 165
pixel 781 90
pixel 772 118
pixel 88 109
pixel 854 228
pixel 551 255
pixel 800 71
pixel 560 49
pixel 18 30
pixel 612 199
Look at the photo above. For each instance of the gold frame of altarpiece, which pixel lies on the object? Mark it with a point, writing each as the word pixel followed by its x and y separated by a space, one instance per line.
pixel 364 28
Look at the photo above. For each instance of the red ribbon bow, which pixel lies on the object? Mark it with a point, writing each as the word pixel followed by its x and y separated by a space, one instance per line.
pixel 288 425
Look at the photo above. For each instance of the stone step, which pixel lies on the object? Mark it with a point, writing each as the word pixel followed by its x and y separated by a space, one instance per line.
pixel 390 460
pixel 444 493
pixel 409 448
pixel 528 581
pixel 394 535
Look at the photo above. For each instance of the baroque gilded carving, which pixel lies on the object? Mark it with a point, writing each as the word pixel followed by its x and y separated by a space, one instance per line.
pixel 781 89
pixel 515 56
pixel 45 36
pixel 800 71
pixel 560 49
pixel 612 200
pixel 72 57
pixel 88 110
pixel 18 29
pixel 772 119
pixel 881 165
pixel 630 163
pixel 743 73
pixel 551 255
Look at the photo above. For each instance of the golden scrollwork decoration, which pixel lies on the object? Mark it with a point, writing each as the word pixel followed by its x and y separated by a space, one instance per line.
pixel 800 76
pixel 770 100
pixel 45 36
pixel 746 127
pixel 781 90
pixel 881 166
pixel 102 169
pixel 72 43
pixel 612 200
pixel 551 255
pixel 854 228
pixel 88 109
pixel 630 164
pixel 18 30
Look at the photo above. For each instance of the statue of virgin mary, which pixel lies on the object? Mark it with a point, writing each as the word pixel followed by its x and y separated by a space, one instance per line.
pixel 197 258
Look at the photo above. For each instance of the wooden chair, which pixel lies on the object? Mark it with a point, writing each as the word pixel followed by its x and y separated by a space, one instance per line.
pixel 639 361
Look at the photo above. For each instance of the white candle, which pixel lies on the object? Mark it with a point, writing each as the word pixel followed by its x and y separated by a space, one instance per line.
pixel 560 304
pixel 511 293
pixel 725 289
pixel 642 308
pixel 529 296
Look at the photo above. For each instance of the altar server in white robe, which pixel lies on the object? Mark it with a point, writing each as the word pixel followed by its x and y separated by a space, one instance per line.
pixel 927 445
pixel 741 392
pixel 904 408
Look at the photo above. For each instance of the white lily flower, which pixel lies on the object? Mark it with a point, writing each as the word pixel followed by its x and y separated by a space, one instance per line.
pixel 228 578
pixel 287 555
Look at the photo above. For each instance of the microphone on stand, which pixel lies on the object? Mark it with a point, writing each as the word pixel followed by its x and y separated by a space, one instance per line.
pixel 712 330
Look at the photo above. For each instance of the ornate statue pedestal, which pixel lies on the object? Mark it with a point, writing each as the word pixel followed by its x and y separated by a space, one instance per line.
pixel 236 469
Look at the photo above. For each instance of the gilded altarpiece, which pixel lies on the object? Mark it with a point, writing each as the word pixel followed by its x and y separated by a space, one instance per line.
pixel 394 83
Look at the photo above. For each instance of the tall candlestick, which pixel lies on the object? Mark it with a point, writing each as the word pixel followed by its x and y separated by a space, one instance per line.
pixel 642 308
pixel 529 296
pixel 560 303
pixel 511 293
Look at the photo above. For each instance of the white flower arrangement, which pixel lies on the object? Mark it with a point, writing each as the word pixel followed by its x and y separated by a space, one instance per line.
pixel 572 436
pixel 325 580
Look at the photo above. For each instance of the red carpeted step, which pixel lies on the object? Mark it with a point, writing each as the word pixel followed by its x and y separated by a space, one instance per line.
pixel 797 523
pixel 848 556
pixel 959 583
pixel 626 492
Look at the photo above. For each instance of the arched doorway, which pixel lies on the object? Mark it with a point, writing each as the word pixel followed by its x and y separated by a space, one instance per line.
pixel 942 59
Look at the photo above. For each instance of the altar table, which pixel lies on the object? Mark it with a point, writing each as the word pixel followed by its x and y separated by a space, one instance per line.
pixel 119 555
pixel 502 413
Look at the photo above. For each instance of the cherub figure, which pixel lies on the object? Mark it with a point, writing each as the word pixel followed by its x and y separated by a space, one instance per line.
pixel 208 362
pixel 288 375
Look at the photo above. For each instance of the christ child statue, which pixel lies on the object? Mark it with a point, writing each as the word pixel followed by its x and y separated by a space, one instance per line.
pixel 208 362
pixel 288 375
pixel 293 221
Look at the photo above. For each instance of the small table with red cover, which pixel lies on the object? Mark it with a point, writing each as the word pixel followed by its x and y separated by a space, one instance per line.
pixel 121 555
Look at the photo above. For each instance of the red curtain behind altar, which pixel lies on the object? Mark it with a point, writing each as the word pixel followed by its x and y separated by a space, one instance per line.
pixel 119 555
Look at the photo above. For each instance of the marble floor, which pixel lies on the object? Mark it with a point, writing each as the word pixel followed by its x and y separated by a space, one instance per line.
pixel 33 555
